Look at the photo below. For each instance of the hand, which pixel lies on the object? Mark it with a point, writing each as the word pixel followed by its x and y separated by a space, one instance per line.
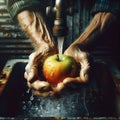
pixel 35 27
pixel 81 58
pixel 43 88
pixel 97 27
pixel 33 72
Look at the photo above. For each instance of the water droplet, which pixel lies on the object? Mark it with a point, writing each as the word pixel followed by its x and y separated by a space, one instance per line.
pixel 73 106
pixel 24 107
pixel 29 102
pixel 28 91
pixel 58 106
pixel 32 98
pixel 23 102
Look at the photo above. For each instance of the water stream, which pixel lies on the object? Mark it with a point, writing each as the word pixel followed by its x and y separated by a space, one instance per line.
pixel 60 44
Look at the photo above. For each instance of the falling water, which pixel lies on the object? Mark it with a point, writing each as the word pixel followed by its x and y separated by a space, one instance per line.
pixel 60 44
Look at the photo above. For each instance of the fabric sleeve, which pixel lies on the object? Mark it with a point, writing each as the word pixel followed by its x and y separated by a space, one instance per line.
pixel 16 6
pixel 112 6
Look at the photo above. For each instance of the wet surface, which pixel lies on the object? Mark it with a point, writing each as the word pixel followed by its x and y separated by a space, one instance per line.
pixel 95 98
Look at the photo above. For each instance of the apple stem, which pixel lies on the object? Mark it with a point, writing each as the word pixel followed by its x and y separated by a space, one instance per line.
pixel 59 57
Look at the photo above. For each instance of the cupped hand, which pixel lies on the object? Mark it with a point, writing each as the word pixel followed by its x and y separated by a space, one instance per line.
pixel 41 87
pixel 82 58
pixel 33 71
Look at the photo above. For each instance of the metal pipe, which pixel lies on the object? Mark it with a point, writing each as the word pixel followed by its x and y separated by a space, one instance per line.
pixel 60 26
pixel 60 11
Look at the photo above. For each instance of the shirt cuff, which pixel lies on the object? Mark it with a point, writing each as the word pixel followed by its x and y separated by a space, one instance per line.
pixel 112 6
pixel 19 6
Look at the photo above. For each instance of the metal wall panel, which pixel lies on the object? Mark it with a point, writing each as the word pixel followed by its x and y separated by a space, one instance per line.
pixel 78 22
pixel 13 42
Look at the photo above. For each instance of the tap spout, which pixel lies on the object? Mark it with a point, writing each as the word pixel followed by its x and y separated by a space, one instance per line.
pixel 60 25
pixel 60 10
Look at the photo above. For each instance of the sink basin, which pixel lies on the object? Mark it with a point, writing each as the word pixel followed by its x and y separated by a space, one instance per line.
pixel 95 98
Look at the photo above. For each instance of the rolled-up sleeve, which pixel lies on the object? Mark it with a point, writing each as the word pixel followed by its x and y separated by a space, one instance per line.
pixel 16 6
pixel 112 6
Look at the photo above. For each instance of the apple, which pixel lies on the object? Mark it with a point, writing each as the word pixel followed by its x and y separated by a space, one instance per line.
pixel 59 66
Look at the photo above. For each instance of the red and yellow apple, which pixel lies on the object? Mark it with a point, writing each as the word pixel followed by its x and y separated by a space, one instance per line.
pixel 59 66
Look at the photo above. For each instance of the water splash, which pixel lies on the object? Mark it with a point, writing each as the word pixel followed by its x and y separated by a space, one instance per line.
pixel 32 97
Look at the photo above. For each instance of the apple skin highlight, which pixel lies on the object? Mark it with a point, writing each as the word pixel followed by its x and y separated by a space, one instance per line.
pixel 59 66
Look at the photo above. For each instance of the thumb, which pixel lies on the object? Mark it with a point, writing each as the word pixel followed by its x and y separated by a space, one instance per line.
pixel 85 67
pixel 31 72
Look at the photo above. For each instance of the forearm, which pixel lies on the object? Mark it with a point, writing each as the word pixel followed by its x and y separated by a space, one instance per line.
pixel 16 6
pixel 97 27
pixel 35 27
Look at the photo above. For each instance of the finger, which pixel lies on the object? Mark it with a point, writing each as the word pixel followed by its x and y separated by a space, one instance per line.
pixel 40 86
pixel 25 75
pixel 72 80
pixel 29 84
pixel 45 94
pixel 30 72
pixel 60 86
pixel 29 76
pixel 84 63
pixel 85 67
pixel 32 57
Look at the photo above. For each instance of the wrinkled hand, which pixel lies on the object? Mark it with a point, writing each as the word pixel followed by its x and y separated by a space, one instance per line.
pixel 81 58
pixel 99 24
pixel 33 72
pixel 41 87
pixel 97 27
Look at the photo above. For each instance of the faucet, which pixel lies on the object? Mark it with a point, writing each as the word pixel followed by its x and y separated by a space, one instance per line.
pixel 60 11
